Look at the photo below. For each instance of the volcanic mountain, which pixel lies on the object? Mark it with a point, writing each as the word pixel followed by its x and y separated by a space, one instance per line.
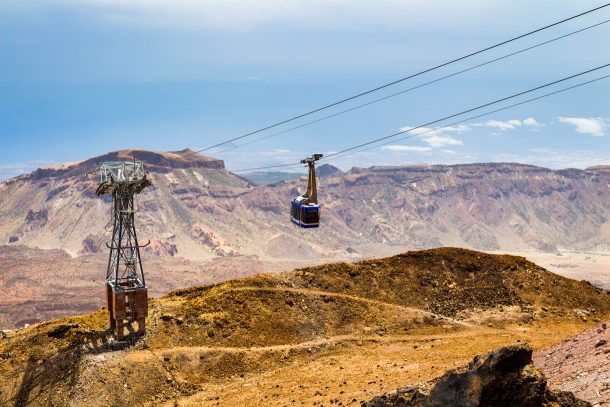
pixel 339 333
pixel 206 224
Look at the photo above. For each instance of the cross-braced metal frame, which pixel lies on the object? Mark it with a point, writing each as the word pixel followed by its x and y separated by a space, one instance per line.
pixel 126 291
pixel 124 262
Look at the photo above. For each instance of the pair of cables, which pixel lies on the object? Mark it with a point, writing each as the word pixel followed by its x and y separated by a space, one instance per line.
pixel 425 126
pixel 367 92
pixel 414 87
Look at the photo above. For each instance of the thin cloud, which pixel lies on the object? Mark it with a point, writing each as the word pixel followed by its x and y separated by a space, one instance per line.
pixel 555 159
pixel 418 149
pixel 503 126
pixel 457 129
pixel 442 141
pixel 593 126
pixel 530 121
pixel 509 124
pixel 438 138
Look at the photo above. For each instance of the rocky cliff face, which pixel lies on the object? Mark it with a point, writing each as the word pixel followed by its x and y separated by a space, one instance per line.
pixel 483 206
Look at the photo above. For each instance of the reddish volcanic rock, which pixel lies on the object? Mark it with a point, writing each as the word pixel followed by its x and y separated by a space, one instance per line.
pixel 580 364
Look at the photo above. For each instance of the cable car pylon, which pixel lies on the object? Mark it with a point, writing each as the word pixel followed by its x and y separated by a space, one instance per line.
pixel 126 291
pixel 305 211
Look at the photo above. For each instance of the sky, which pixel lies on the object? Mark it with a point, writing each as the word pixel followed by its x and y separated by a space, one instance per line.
pixel 79 78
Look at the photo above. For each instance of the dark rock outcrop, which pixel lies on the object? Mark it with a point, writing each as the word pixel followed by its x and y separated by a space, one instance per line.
pixel 39 218
pixel 503 377
pixel 91 244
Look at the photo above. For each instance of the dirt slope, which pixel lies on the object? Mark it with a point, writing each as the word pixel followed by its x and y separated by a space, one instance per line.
pixel 341 331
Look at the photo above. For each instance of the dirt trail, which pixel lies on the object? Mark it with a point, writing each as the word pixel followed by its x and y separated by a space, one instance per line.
pixel 335 340
pixel 321 293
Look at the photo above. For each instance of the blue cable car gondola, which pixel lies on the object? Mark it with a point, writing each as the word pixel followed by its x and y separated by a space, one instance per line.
pixel 305 211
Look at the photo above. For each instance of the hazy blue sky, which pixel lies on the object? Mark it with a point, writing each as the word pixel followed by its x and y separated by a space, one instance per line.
pixel 79 78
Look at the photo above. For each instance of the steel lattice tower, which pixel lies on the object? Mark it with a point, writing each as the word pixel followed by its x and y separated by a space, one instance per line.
pixel 126 291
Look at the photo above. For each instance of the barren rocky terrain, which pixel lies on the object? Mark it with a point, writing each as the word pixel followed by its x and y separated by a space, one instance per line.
pixel 339 334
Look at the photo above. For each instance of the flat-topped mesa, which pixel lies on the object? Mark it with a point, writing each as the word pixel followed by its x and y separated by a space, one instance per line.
pixel 474 168
pixel 159 162
pixel 599 169
pixel 489 170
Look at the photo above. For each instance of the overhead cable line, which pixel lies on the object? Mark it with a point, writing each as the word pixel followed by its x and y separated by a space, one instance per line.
pixel 469 110
pixel 419 134
pixel 414 87
pixel 327 156
pixel 328 106
pixel 268 167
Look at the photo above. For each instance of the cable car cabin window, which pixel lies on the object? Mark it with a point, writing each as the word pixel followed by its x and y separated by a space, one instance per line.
pixel 305 216
pixel 294 211
pixel 311 217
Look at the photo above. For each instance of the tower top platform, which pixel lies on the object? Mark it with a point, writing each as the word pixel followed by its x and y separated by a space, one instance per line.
pixel 122 175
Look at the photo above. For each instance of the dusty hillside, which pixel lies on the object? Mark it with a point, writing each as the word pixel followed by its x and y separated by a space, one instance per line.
pixel 341 332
